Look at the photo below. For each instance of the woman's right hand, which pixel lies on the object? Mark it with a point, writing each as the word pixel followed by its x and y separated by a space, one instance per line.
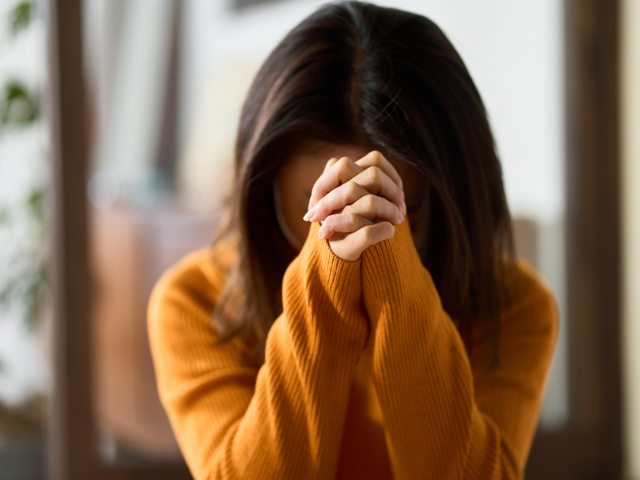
pixel 358 203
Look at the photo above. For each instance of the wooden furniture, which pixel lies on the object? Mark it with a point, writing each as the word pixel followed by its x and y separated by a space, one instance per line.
pixel 131 248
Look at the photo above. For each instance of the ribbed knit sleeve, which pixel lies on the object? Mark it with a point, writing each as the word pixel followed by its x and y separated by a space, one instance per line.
pixel 285 419
pixel 446 415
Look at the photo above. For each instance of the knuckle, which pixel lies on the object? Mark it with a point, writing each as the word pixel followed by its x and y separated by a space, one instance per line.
pixel 375 173
pixel 351 189
pixel 329 199
pixel 351 219
pixel 376 156
pixel 370 202
pixel 330 221
pixel 368 235
pixel 333 221
pixel 344 162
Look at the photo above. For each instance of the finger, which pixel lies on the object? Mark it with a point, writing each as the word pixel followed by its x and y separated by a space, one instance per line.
pixel 377 159
pixel 373 180
pixel 349 246
pixel 343 223
pixel 330 163
pixel 372 234
pixel 336 199
pixel 373 207
pixel 338 173
pixel 366 210
pixel 379 183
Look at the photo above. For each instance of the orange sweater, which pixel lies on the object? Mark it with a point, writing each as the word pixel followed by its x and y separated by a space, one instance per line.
pixel 366 376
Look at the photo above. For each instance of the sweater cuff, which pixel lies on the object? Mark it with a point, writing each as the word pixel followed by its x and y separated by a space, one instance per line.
pixel 394 279
pixel 328 276
pixel 397 256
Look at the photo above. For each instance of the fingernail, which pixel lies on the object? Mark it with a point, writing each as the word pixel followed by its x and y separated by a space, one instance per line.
pixel 309 214
pixel 322 233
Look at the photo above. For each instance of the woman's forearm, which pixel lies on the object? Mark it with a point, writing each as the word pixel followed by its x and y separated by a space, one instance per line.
pixel 285 419
pixel 443 417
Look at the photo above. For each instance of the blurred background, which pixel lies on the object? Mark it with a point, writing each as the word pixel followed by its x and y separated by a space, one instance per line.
pixel 117 126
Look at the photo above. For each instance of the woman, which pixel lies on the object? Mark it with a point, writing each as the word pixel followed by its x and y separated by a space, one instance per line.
pixel 393 336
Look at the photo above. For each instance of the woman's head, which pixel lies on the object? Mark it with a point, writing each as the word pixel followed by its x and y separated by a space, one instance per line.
pixel 350 78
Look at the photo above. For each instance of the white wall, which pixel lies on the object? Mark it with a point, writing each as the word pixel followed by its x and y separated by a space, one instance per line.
pixel 513 50
pixel 630 111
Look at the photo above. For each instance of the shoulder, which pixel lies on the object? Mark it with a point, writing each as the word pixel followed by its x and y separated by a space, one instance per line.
pixel 529 322
pixel 182 338
pixel 530 304
pixel 190 288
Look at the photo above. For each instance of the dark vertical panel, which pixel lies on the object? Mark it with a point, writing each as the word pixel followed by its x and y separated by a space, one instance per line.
pixel 582 142
pixel 593 211
pixel 71 445
pixel 590 447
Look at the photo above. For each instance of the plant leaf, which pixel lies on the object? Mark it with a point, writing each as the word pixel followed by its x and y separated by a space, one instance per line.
pixel 36 204
pixel 20 16
pixel 34 295
pixel 17 105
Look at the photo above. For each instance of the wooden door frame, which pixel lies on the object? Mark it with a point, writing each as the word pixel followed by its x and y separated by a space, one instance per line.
pixel 72 439
pixel 590 446
pixel 70 430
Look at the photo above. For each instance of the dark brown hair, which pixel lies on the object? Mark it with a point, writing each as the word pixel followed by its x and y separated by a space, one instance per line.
pixel 356 73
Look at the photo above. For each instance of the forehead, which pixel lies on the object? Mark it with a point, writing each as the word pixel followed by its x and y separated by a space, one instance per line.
pixel 308 159
pixel 319 151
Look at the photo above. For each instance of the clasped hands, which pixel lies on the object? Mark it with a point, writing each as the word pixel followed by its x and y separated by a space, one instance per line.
pixel 358 204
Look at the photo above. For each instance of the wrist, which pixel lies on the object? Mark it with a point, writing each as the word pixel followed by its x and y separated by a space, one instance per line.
pixel 326 277
pixel 393 277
